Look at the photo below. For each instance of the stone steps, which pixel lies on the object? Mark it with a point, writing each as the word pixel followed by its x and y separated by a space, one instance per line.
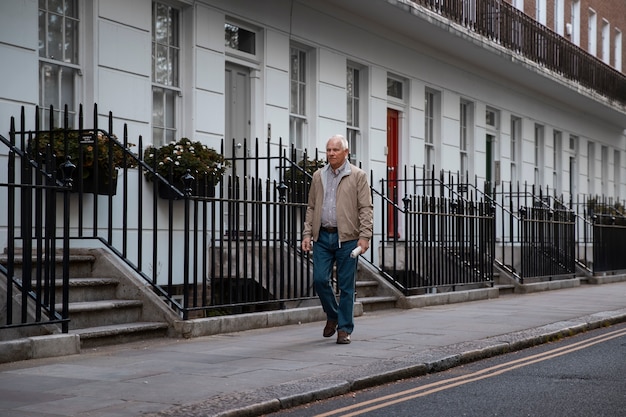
pixel 119 333
pixel 370 293
pixel 100 312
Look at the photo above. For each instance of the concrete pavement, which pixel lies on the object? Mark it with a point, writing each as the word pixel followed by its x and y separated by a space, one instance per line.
pixel 254 372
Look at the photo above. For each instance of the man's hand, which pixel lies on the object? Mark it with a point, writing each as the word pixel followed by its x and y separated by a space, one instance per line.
pixel 306 244
pixel 364 244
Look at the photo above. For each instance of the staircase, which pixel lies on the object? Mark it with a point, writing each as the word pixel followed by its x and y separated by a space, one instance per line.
pixel 105 307
pixel 372 291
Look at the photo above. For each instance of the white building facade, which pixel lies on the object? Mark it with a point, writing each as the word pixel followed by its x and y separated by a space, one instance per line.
pixel 405 85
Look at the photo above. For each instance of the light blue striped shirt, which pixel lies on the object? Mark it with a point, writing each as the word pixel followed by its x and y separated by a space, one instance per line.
pixel 329 208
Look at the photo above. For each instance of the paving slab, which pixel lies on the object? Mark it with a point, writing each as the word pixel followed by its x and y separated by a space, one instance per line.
pixel 259 371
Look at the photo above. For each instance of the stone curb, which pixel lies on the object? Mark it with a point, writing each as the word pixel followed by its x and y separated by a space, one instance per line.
pixel 37 347
pixel 283 396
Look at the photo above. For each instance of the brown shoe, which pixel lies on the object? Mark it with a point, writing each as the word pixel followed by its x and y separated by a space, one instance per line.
pixel 343 338
pixel 329 329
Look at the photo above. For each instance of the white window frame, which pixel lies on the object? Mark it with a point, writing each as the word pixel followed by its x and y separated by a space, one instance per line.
pixel 254 57
pixel 617 172
pixel 575 18
pixel 432 112
pixel 557 160
pixel 604 167
pixel 606 42
pixel 63 71
pixel 592 33
pixel 516 137
pixel 559 17
pixel 538 154
pixel 165 125
pixel 617 50
pixel 541 12
pixel 466 139
pixel 591 167
pixel 299 86
pixel 353 123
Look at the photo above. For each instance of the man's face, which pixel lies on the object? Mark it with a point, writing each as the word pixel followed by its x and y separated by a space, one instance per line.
pixel 335 154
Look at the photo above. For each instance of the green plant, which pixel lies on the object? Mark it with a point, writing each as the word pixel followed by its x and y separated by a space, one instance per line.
pixel 305 166
pixel 297 180
pixel 600 206
pixel 86 150
pixel 178 157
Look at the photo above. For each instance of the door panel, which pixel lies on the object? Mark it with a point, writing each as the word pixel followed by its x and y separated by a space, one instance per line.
pixel 237 105
pixel 392 169
pixel 237 131
pixel 489 160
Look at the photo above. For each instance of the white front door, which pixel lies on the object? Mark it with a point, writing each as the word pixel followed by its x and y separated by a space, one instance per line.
pixel 237 113
pixel 237 107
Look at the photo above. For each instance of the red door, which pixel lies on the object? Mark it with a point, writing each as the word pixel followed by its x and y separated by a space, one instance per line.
pixel 392 170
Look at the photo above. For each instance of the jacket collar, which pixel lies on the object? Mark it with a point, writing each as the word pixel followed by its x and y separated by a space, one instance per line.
pixel 344 169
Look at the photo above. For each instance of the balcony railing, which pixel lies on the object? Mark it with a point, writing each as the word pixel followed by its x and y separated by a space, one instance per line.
pixel 511 28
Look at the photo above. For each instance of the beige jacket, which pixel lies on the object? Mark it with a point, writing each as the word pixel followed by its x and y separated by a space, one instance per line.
pixel 354 205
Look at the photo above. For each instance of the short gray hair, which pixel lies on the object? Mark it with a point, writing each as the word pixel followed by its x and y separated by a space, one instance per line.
pixel 344 141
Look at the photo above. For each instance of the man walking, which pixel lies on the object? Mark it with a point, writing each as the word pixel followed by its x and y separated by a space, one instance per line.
pixel 339 220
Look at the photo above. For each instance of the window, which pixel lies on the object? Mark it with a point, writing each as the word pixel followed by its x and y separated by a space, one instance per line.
pixel 617 48
pixel 58 57
pixel 617 176
pixel 606 42
pixel 516 134
pixel 431 127
pixel 491 118
pixel 353 112
pixel 298 89
pixel 604 165
pixel 573 165
pixel 165 72
pixel 559 17
pixel 556 160
pixel 592 46
pixel 576 22
pixel 540 11
pixel 465 136
pixel 538 155
pixel 394 88
pixel 240 39
pixel 591 167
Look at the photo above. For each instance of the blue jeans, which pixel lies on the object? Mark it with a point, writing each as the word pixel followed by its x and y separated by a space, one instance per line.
pixel 326 251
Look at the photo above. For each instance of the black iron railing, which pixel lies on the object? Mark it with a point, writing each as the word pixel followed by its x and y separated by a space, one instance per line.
pixel 233 247
pixel 511 28
pixel 609 235
pixel 35 262
pixel 537 233
pixel 601 230
pixel 435 238
pixel 221 249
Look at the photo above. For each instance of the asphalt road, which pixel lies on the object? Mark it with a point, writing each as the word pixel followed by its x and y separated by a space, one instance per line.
pixel 580 376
